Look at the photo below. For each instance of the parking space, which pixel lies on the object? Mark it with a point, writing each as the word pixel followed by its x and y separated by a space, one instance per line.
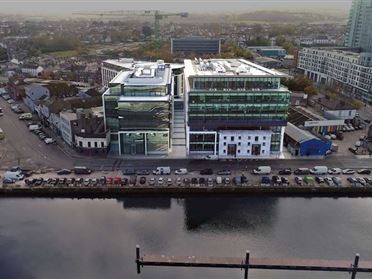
pixel 223 178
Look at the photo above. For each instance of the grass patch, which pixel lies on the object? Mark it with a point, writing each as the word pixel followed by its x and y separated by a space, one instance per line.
pixel 64 54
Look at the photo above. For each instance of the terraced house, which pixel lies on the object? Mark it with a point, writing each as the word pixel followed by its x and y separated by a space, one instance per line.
pixel 234 109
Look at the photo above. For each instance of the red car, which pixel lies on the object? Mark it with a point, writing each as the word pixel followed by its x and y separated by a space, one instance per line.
pixel 109 180
pixel 117 180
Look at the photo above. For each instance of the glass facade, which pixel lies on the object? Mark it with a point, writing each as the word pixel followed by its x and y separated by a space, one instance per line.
pixel 202 142
pixel 144 143
pixel 235 83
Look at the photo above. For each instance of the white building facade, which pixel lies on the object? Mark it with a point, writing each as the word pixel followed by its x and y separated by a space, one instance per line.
pixel 349 70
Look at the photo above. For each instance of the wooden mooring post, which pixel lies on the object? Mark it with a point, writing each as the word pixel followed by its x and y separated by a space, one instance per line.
pixel 255 263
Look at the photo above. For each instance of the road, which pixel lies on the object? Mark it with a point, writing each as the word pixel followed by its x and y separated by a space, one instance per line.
pixel 23 146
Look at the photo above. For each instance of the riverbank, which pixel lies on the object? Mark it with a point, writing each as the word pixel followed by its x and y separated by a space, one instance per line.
pixel 115 192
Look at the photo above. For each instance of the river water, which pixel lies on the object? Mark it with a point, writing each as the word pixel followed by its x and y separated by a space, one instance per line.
pixel 89 239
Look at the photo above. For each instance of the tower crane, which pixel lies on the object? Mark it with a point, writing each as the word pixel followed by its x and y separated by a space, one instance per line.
pixel 158 16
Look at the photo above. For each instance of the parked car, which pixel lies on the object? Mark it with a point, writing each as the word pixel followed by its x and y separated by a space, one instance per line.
pixel 368 180
pixel 319 170
pixel 186 181
pixel 194 181
pixel 276 180
pixel 348 171
pixel 181 171
pixel 319 180
pixel 206 172
pixel 361 181
pixel 117 180
pixel 353 150
pixel 211 157
pixel 129 171
pixel 287 171
pixel 142 172
pixel 224 172
pixel 337 181
pixel 162 171
pixel 210 182
pixel 160 181
pixel 152 181
pixel 49 140
pixel 284 181
pixel 179 181
pixel 262 170
pixel 201 181
pixel 226 180
pixel 334 171
pixel 169 181
pixel 82 170
pixel 364 171
pixel 142 180
pixel 329 181
pixel 352 180
pixel 124 181
pixel 302 171
pixel 64 172
pixel 265 180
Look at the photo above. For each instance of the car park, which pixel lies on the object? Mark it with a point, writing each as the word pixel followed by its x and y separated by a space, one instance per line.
pixel 348 171
pixel 224 172
pixel 364 171
pixel 181 171
pixel 334 171
pixel 286 171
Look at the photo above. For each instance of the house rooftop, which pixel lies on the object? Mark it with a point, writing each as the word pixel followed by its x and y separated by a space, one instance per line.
pixel 228 68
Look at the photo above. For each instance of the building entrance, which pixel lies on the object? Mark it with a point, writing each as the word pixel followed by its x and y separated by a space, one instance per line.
pixel 256 149
pixel 231 150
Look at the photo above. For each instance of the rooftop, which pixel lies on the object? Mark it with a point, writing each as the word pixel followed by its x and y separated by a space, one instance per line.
pixel 298 134
pixel 145 73
pixel 228 67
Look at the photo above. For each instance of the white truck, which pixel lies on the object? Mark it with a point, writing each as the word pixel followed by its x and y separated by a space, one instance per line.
pixel 162 171
pixel 13 175
pixel 263 170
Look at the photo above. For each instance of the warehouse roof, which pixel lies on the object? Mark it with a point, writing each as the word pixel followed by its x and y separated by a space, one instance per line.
pixel 298 134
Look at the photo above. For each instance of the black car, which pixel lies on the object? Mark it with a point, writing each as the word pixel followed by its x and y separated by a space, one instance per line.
pixel 194 180
pixel 64 172
pixel 224 172
pixel 284 181
pixel 244 179
pixel 285 172
pixel 202 181
pixel 206 172
pixel 129 171
pixel 124 181
pixel 302 171
pixel 276 179
pixel 142 180
pixel 102 180
pixel 364 171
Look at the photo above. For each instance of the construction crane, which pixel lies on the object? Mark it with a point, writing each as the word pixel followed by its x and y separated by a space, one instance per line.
pixel 158 16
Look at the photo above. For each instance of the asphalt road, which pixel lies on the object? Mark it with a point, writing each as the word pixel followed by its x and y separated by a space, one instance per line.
pixel 23 146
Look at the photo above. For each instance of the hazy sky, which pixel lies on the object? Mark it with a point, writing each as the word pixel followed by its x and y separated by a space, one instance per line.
pixel 66 7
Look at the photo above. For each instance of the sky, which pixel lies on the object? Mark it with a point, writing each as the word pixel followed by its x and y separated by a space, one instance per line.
pixel 66 7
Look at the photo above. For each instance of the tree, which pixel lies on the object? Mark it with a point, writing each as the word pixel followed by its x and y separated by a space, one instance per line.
pixel 311 90
pixel 147 31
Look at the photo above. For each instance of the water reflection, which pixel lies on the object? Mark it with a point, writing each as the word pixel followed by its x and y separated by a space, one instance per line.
pixel 146 203
pixel 243 214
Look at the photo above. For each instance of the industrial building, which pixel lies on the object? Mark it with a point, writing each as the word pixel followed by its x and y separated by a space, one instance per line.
pixel 234 109
pixel 196 45
pixel 300 142
pixel 138 106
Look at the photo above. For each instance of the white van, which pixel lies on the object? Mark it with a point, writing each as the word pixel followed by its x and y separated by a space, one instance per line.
pixel 13 175
pixel 162 171
pixel 319 170
pixel 25 116
pixel 262 170
pixel 34 127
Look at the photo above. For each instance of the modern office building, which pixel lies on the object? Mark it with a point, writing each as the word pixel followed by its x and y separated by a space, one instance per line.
pixel 111 67
pixel 234 109
pixel 138 108
pixel 359 27
pixel 196 45
pixel 346 69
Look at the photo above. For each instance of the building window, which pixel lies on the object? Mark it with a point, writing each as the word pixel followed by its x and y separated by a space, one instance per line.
pixel 240 137
pixel 224 152
pixel 249 144
pixel 256 138
pixel 263 144
pixel 239 143
pixel 238 151
pixel 264 138
pixel 88 143
pixel 232 138
pixel 224 144
pixel 95 144
pixel 80 143
pixel 102 145
pixel 249 137
pixel 224 138
pixel 247 151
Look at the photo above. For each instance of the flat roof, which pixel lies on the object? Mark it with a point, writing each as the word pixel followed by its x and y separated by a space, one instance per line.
pixel 298 134
pixel 148 73
pixel 228 68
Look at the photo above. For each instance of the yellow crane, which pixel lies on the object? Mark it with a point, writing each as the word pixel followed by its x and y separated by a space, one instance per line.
pixel 158 15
